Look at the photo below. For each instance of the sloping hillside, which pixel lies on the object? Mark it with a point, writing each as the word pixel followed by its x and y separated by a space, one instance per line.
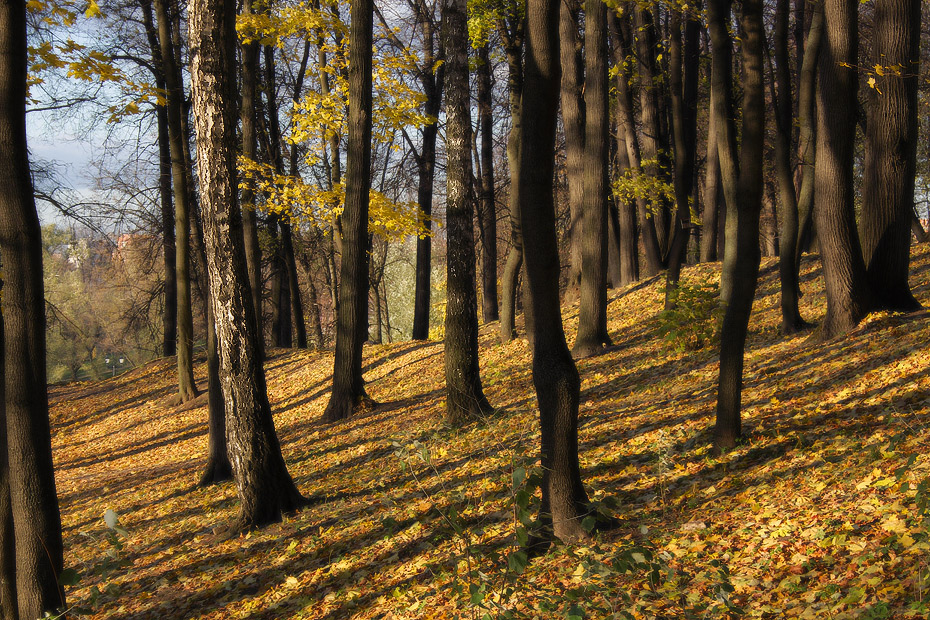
pixel 815 515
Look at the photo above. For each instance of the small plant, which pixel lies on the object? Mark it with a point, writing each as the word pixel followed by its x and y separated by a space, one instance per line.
pixel 694 319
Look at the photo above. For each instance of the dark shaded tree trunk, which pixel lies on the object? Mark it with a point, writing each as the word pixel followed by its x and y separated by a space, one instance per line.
pixel 807 133
pixel 564 501
pixel 683 83
pixel 744 271
pixel 8 603
pixel 626 226
pixel 573 125
pixel 891 154
pixel 488 213
pixel 465 398
pixel 264 485
pixel 791 320
pixel 837 84
pixel 32 494
pixel 352 313
pixel 918 229
pixel 592 312
pixel 711 213
pixel 187 389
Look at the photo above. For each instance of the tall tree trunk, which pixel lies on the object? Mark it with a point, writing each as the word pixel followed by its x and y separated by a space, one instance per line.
pixel 352 314
pixel 844 271
pixel 8 602
pixel 573 125
pixel 554 374
pixel 465 398
pixel 745 270
pixel 711 214
pixel 891 154
pixel 683 83
pixel 264 485
pixel 918 229
pixel 33 498
pixel 807 133
pixel 626 223
pixel 187 389
pixel 592 312
pixel 488 217
pixel 791 320
pixel 431 79
pixel 514 263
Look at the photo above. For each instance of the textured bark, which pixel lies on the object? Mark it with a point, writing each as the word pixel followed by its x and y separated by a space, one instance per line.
pixel 626 225
pixel 432 82
pixel 264 486
pixel 465 398
pixel 174 95
pixel 510 278
pixel 8 608
pixel 745 271
pixel 891 139
pixel 791 320
pixel 683 83
pixel 554 374
pixel 488 214
pixel 722 101
pixel 352 314
pixel 711 213
pixel 33 498
pixel 573 125
pixel 837 83
pixel 592 313
pixel 807 134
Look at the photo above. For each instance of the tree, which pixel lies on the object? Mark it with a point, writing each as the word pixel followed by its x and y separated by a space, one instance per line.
pixel 352 312
pixel 891 153
pixel 487 214
pixel 37 541
pixel 464 396
pixel 264 485
pixel 555 376
pixel 592 312
pixel 8 600
pixel 573 124
pixel 844 272
pixel 743 272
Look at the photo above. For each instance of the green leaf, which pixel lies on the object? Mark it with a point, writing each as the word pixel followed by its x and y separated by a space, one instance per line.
pixel 69 577
pixel 517 561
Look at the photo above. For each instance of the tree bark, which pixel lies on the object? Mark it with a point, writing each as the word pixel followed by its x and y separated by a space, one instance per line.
pixel 592 312
pixel 33 498
pixel 891 139
pixel 264 485
pixel 573 125
pixel 488 216
pixel 554 374
pixel 807 133
pixel 837 84
pixel 465 398
pixel 711 213
pixel 187 389
pixel 8 602
pixel 744 271
pixel 348 391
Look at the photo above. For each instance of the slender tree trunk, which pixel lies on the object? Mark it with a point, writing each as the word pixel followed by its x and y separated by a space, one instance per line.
pixel 626 224
pixel 791 320
pixel 918 229
pixel 891 154
pixel 352 314
pixel 592 312
pixel 32 495
pixel 265 488
pixel 745 271
pixel 465 398
pixel 573 124
pixel 8 602
pixel 489 307
pixel 554 374
pixel 711 214
pixel 837 84
pixel 187 389
pixel 807 134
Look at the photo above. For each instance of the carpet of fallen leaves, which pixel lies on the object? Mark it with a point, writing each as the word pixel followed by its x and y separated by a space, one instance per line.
pixel 814 515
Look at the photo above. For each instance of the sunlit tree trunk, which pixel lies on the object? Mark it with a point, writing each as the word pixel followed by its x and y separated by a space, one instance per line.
pixel 488 213
pixel 711 214
pixel 32 494
pixel 264 485
pixel 8 603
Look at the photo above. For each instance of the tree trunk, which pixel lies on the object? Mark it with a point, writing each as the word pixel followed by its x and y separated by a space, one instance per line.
pixel 465 398
pixel 791 320
pixel 844 271
pixel 592 312
pixel 32 495
pixel 352 314
pixel 745 270
pixel 8 603
pixel 683 82
pixel 573 125
pixel 187 389
pixel 711 214
pixel 626 224
pixel 554 374
pixel 488 218
pixel 264 485
pixel 918 229
pixel 891 154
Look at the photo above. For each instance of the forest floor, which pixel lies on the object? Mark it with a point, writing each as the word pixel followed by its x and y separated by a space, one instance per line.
pixel 819 513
